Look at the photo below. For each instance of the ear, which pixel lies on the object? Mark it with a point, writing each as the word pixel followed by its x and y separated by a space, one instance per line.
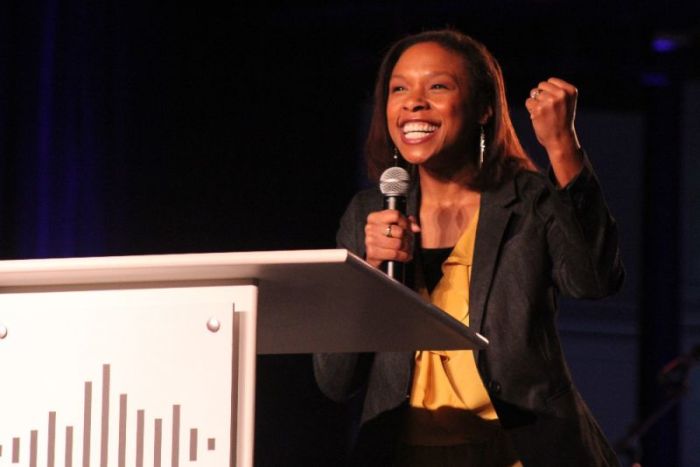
pixel 486 116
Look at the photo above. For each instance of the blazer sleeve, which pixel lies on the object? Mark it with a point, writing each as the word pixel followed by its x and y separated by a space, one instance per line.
pixel 583 239
pixel 341 375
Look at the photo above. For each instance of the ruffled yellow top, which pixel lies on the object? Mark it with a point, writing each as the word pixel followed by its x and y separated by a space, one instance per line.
pixel 449 404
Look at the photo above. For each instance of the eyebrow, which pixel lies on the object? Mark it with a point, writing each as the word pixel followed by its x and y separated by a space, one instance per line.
pixel 430 75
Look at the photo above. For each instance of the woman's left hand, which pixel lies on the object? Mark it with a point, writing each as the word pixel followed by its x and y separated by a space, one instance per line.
pixel 552 107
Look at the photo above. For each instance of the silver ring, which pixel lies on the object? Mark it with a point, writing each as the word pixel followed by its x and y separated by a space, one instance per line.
pixel 535 93
pixel 387 232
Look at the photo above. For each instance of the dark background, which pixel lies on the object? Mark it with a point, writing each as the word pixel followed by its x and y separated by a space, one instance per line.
pixel 141 128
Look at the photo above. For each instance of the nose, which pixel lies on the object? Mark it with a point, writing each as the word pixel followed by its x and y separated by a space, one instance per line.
pixel 415 101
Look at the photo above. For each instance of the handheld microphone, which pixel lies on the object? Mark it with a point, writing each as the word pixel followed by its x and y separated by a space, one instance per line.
pixel 393 183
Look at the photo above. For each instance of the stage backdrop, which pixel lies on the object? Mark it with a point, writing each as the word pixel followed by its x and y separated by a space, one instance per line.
pixel 134 127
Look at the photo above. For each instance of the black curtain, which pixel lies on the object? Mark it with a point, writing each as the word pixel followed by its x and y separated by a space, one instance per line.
pixel 133 128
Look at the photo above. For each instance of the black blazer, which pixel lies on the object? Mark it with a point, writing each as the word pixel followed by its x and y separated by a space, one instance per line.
pixel 533 243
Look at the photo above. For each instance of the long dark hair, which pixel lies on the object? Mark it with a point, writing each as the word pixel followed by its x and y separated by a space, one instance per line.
pixel 504 153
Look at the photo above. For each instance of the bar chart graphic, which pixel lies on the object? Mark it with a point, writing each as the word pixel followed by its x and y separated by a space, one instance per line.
pixel 107 378
pixel 29 455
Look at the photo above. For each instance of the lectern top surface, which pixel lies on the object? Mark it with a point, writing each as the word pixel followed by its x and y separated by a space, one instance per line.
pixel 117 269
pixel 308 300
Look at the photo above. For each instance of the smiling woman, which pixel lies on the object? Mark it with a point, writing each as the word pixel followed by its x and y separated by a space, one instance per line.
pixel 493 243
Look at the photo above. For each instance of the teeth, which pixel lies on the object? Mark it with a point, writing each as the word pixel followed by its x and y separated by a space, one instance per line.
pixel 418 127
pixel 415 135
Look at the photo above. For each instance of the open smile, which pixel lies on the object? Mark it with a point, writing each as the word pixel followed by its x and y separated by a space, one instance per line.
pixel 418 131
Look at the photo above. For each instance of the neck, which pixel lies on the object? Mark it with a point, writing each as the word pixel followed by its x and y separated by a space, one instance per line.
pixel 447 206
pixel 440 189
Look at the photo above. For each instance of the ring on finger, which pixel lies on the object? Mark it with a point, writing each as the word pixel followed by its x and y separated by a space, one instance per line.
pixel 387 232
pixel 535 93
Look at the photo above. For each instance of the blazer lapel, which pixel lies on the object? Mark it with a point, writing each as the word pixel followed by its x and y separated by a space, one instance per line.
pixel 493 220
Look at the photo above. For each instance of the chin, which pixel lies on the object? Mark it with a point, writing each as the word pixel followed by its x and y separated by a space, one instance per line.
pixel 416 157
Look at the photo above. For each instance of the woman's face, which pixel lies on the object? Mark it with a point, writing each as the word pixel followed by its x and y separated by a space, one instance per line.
pixel 426 109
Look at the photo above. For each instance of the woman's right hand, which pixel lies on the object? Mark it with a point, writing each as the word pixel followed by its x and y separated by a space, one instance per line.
pixel 389 237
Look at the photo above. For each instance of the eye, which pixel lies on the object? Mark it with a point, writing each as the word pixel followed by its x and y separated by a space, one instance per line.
pixel 438 86
pixel 397 89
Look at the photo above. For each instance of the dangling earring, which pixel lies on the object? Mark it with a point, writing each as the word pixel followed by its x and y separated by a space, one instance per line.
pixel 482 145
pixel 397 156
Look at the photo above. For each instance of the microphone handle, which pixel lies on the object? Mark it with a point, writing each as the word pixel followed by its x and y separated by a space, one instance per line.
pixel 395 269
pixel 395 202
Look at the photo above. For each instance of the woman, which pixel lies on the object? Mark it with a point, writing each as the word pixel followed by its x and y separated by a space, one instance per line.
pixel 490 241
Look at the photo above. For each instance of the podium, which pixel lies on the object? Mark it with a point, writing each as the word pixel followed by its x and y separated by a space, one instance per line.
pixel 150 360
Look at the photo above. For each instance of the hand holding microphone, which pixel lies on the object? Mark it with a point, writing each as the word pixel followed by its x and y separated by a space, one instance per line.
pixel 389 233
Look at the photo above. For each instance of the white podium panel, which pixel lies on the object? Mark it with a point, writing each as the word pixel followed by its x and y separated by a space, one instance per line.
pixel 120 376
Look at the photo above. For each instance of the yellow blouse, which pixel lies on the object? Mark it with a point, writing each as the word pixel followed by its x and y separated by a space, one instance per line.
pixel 448 403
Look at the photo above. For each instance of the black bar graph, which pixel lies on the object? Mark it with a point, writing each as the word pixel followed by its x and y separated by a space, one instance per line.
pixel 69 446
pixel 15 450
pixel 157 442
pixel 175 451
pixel 140 419
pixel 51 447
pixel 33 440
pixel 87 423
pixel 54 432
pixel 104 436
pixel 193 444
pixel 121 457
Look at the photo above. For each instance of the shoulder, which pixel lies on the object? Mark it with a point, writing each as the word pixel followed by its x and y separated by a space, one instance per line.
pixel 350 234
pixel 364 202
pixel 528 194
pixel 367 197
pixel 530 184
pixel 522 187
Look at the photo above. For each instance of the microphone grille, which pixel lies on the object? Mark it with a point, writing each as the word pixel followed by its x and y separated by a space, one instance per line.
pixel 394 181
